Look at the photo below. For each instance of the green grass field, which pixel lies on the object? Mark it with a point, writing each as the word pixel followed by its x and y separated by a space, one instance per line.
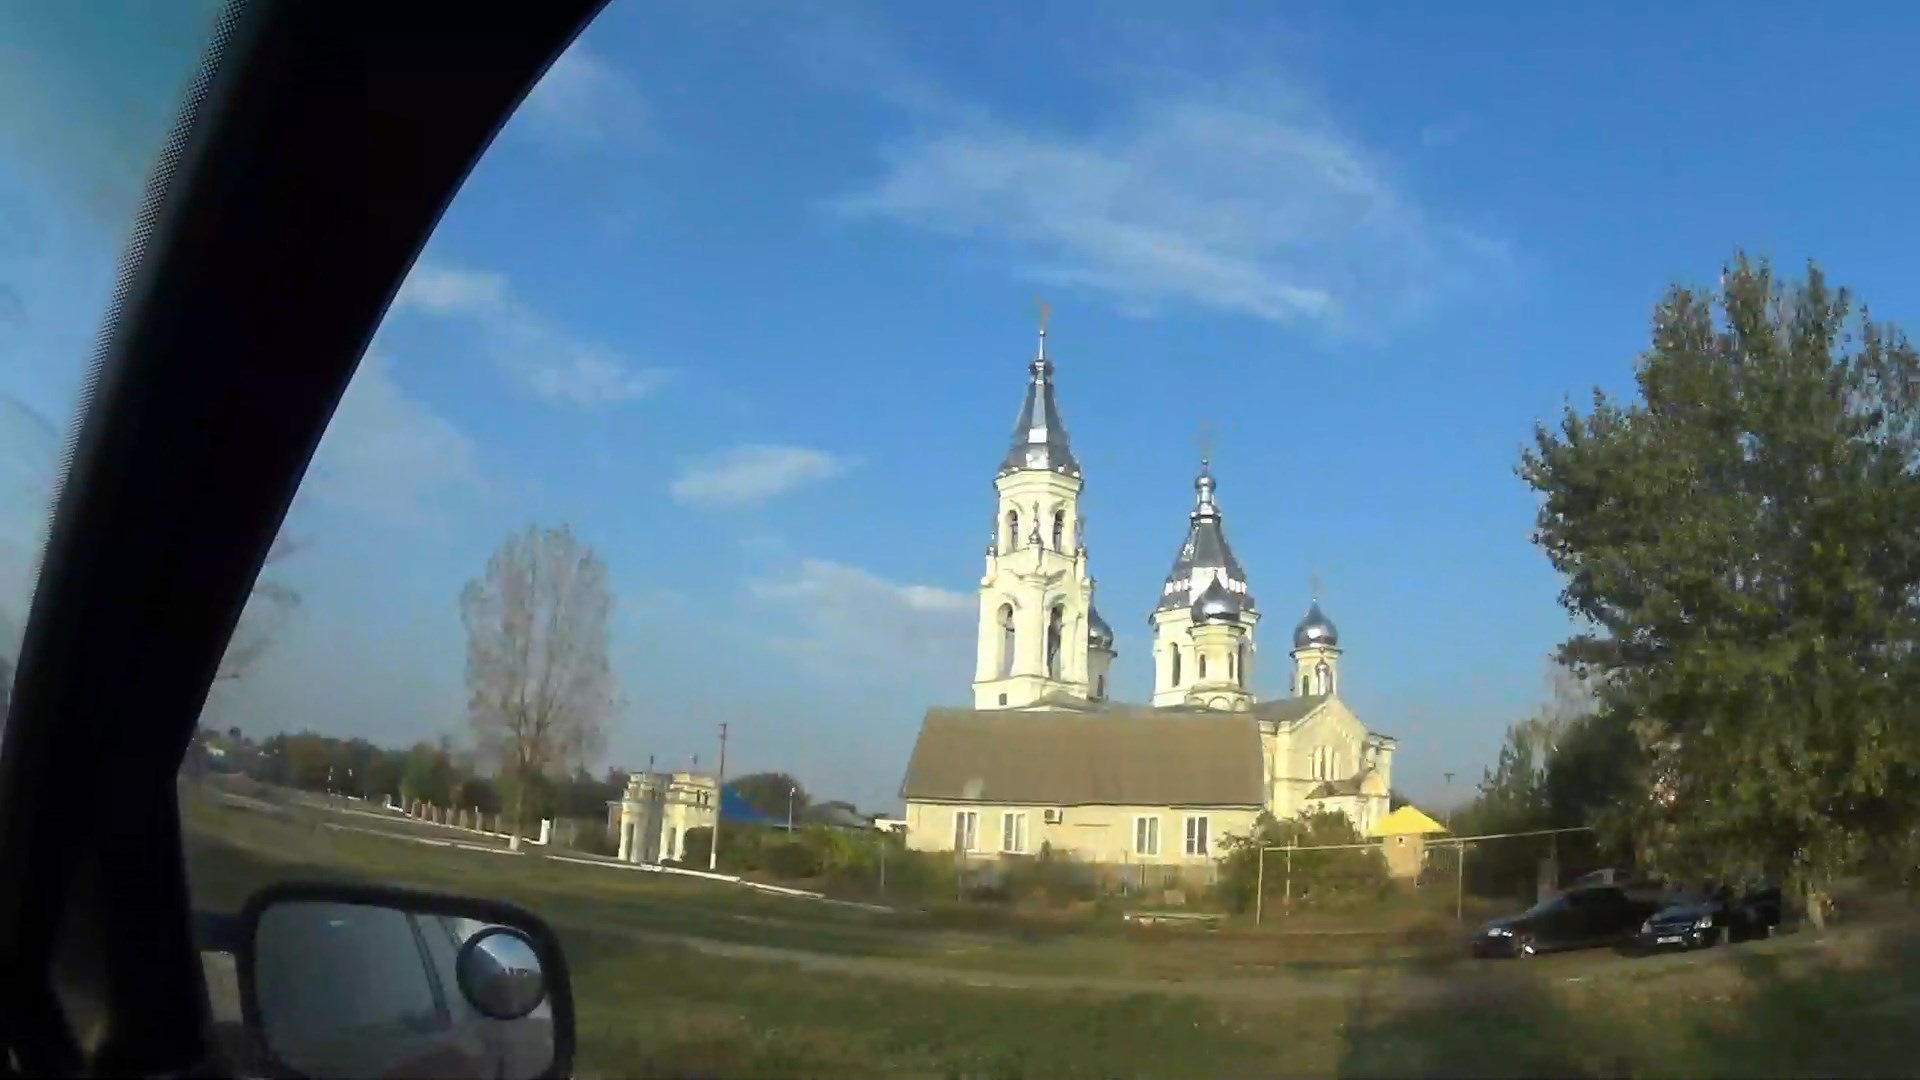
pixel 688 978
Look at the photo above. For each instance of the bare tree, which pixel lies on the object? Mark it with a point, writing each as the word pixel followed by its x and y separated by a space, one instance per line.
pixel 539 688
pixel 268 608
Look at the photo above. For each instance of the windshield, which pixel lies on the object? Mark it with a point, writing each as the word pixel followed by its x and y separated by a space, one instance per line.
pixel 945 540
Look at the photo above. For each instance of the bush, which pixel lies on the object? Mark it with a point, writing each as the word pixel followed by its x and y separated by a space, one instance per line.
pixel 1319 879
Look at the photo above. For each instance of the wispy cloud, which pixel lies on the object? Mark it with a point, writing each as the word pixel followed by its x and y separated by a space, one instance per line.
pixel 841 613
pixel 748 475
pixel 583 100
pixel 553 364
pixel 390 457
pixel 1244 196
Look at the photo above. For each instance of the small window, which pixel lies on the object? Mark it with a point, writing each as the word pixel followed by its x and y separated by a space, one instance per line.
pixel 1146 836
pixel 1059 530
pixel 1176 666
pixel 1003 699
pixel 1200 667
pixel 1232 671
pixel 1304 688
pixel 1197 837
pixel 1013 833
pixel 1100 687
pixel 966 830
pixel 1013 532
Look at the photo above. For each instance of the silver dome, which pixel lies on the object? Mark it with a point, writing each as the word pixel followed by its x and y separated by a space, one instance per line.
pixel 1216 604
pixel 1099 634
pixel 1316 629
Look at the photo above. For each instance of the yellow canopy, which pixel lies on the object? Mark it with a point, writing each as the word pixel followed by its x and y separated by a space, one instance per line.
pixel 1406 821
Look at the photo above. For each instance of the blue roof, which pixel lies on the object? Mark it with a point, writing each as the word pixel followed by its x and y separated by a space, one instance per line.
pixel 735 809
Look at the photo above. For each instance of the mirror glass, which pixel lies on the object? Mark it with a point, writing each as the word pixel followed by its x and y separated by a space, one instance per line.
pixel 345 989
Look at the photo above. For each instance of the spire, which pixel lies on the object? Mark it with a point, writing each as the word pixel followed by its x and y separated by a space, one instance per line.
pixel 1039 438
pixel 1205 557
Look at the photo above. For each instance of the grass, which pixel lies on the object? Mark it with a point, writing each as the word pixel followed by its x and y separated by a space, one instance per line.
pixel 1174 1002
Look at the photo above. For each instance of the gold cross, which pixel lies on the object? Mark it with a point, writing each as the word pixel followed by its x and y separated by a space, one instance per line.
pixel 1314 582
pixel 1046 313
pixel 1206 440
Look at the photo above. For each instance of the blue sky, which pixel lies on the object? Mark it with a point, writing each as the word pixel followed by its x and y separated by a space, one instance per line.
pixel 745 293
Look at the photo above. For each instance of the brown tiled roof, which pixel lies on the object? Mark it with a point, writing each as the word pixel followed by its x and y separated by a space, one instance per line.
pixel 1113 757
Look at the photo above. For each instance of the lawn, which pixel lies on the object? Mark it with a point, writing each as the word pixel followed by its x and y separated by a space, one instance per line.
pixel 686 978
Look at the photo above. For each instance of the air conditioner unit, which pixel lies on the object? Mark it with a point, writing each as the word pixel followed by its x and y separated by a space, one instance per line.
pixel 1053 817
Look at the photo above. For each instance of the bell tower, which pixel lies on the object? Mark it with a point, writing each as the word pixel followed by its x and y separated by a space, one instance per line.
pixel 1039 636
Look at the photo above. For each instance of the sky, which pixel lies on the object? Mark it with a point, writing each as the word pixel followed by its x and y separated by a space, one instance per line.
pixel 744 294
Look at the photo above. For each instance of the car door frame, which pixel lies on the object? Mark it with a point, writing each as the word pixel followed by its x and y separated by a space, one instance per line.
pixel 313 158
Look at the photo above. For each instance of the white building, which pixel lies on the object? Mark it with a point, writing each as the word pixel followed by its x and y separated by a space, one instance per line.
pixel 1044 757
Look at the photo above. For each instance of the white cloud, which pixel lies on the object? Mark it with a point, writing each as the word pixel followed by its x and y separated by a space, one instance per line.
pixel 553 364
pixel 840 613
pixel 390 457
pixel 745 475
pixel 1243 197
pixel 584 100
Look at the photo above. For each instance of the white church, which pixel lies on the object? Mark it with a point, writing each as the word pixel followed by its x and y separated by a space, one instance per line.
pixel 1045 758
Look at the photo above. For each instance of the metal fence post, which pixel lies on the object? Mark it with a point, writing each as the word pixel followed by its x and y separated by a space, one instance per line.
pixel 1260 886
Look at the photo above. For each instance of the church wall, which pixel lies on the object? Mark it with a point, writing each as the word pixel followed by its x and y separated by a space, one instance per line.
pixel 1101 834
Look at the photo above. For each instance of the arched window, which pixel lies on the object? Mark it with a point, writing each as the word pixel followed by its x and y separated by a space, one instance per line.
pixel 1176 666
pixel 1100 688
pixel 1006 640
pixel 1242 676
pixel 1233 670
pixel 1324 675
pixel 1059 530
pixel 1200 667
pixel 1054 620
pixel 1305 687
pixel 1013 533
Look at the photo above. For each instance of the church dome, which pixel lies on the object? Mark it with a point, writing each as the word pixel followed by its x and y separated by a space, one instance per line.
pixel 1216 604
pixel 1099 634
pixel 1316 629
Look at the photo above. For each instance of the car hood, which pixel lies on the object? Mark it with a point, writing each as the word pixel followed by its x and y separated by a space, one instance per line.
pixel 1684 911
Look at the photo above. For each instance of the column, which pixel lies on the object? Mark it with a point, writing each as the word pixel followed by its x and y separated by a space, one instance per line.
pixel 626 836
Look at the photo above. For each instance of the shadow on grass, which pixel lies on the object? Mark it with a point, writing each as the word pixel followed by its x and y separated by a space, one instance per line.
pixel 1816 1008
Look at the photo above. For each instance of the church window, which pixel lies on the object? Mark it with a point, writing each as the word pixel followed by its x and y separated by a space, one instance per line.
pixel 1053 642
pixel 1100 687
pixel 1232 671
pixel 1305 687
pixel 1013 533
pixel 1200 667
pixel 1146 836
pixel 1197 838
pixel 1059 530
pixel 1242 676
pixel 1013 833
pixel 966 830
pixel 1324 676
pixel 1176 665
pixel 1006 641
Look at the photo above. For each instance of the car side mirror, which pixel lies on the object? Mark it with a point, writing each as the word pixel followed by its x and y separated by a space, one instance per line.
pixel 368 981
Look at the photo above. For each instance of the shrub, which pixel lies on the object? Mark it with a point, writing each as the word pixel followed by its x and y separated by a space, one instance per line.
pixel 1319 879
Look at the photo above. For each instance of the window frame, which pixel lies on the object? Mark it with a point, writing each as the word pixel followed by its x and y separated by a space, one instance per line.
pixel 1146 827
pixel 1205 835
pixel 1013 832
pixel 972 832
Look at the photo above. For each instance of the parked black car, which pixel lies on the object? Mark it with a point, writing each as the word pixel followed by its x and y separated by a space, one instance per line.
pixel 1576 919
pixel 1695 919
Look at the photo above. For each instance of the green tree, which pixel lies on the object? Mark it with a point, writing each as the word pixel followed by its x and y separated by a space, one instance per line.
pixel 1741 542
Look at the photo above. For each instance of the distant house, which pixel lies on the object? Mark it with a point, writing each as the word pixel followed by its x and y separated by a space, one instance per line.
pixel 1403 840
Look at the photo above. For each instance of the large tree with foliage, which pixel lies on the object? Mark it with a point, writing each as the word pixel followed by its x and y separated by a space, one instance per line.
pixel 540 690
pixel 1741 540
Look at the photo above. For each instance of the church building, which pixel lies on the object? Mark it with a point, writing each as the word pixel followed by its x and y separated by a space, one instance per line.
pixel 1044 757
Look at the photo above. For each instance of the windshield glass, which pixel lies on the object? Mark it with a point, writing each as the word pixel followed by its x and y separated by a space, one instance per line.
pixel 1021 540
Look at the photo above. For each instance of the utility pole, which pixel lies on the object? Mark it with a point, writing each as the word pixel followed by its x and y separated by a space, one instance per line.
pixel 792 790
pixel 719 786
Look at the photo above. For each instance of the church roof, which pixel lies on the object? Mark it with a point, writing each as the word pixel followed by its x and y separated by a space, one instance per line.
pixel 1205 556
pixel 1039 437
pixel 1112 757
